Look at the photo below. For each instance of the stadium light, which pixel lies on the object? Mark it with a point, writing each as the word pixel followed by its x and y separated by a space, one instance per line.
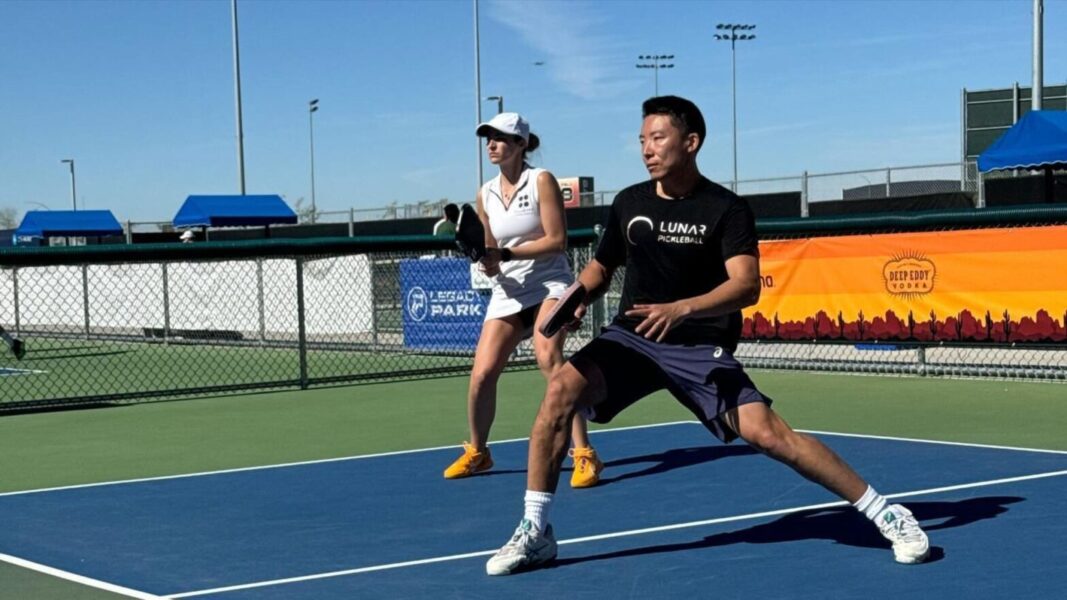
pixel 655 65
pixel 730 35
pixel 73 195
pixel 313 106
pixel 499 103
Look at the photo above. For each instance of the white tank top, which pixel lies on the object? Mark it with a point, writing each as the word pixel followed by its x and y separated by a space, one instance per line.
pixel 517 224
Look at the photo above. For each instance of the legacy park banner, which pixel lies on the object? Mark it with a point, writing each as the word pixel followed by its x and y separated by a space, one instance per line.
pixel 441 311
pixel 986 285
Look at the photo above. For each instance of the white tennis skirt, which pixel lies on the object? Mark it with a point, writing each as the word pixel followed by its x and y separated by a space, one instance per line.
pixel 510 298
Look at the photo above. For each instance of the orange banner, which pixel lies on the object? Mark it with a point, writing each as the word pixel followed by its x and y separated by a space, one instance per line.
pixel 1002 285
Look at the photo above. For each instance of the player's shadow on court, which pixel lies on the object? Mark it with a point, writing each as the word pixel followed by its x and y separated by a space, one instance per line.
pixel 839 525
pixel 660 462
pixel 678 458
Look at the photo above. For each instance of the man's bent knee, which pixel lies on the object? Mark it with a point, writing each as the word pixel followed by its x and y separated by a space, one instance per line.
pixel 565 390
pixel 762 429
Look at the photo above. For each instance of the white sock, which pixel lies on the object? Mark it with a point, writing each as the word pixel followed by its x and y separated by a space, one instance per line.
pixel 871 503
pixel 537 505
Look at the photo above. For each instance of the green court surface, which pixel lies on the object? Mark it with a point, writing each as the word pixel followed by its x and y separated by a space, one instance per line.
pixel 61 368
pixel 39 450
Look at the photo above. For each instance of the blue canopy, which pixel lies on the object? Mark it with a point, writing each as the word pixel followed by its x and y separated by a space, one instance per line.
pixel 68 223
pixel 233 211
pixel 1039 139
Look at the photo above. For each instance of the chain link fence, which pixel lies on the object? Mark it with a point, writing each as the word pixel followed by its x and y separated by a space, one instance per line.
pixel 128 323
pixel 135 327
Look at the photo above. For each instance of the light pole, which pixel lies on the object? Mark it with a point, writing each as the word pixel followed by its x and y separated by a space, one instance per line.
pixel 729 33
pixel 1037 90
pixel 499 103
pixel 73 193
pixel 655 65
pixel 477 89
pixel 313 106
pixel 237 101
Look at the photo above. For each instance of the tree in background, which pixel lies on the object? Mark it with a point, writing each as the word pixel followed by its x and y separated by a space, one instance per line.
pixel 9 218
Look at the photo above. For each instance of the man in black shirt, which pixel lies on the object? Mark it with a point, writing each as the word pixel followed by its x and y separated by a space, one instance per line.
pixel 692 263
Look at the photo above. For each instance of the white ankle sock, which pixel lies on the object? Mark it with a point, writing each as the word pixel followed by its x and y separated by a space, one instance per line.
pixel 871 503
pixel 537 505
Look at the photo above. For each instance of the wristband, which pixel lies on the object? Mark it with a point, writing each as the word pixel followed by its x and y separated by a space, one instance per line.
pixel 505 254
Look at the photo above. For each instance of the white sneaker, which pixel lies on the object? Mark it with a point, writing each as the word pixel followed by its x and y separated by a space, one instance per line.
pixel 526 549
pixel 910 544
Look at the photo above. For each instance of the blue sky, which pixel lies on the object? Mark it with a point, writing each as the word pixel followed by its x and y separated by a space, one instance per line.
pixel 140 93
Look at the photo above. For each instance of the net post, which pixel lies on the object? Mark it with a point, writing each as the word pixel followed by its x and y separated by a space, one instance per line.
pixel 804 195
pixel 301 323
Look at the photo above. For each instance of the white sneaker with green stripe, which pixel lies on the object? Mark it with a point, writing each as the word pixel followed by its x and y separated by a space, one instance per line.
pixel 525 550
pixel 910 544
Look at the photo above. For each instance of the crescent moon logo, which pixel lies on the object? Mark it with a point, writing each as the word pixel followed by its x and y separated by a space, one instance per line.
pixel 630 226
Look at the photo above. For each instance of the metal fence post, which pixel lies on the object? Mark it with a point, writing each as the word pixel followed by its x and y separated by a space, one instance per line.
pixel 804 194
pixel 85 297
pixel 259 298
pixel 166 305
pixel 888 183
pixel 129 232
pixel 351 222
pixel 981 189
pixel 15 281
pixel 301 322
pixel 600 306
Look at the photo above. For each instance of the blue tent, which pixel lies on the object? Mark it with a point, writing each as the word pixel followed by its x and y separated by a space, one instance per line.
pixel 68 223
pixel 233 211
pixel 1039 139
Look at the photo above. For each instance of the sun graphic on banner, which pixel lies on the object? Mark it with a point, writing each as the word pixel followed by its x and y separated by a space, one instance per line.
pixel 910 275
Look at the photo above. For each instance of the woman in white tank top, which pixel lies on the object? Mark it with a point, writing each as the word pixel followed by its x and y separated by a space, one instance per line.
pixel 526 239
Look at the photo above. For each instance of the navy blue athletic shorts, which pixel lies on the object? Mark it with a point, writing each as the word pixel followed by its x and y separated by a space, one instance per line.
pixel 706 379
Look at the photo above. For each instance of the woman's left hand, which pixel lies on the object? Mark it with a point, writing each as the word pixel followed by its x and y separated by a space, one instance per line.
pixel 490 263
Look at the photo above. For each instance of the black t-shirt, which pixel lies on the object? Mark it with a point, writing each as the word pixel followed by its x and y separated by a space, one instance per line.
pixel 676 249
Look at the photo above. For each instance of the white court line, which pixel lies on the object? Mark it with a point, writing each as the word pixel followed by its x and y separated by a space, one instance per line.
pixel 94 583
pixel 606 536
pixel 298 463
pixel 921 441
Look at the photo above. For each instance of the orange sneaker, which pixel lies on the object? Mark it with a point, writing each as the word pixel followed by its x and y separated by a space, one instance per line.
pixel 587 467
pixel 470 463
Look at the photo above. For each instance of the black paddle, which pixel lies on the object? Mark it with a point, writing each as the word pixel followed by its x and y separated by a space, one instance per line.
pixel 563 312
pixel 470 234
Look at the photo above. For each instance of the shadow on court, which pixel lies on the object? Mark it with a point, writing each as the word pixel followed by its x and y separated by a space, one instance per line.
pixel 840 525
pixel 661 462
pixel 672 459
pixel 83 355
pixel 64 349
